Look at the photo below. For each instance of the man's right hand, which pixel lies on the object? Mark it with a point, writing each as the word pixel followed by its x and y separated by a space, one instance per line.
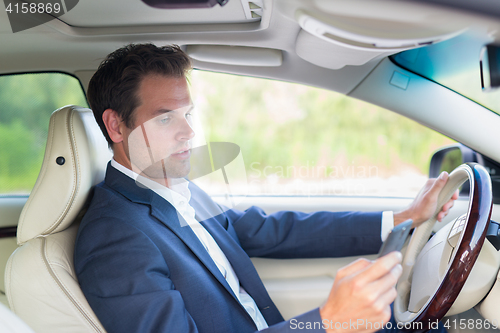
pixel 361 295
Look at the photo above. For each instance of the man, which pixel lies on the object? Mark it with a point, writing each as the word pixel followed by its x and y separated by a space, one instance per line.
pixel 146 263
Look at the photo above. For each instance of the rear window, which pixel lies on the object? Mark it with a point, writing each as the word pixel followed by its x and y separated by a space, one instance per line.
pixel 26 103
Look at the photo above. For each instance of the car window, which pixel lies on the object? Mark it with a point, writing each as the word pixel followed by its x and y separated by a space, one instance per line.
pixel 27 101
pixel 301 140
pixel 453 63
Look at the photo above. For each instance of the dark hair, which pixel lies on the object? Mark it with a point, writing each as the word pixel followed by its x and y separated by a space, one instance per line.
pixel 116 81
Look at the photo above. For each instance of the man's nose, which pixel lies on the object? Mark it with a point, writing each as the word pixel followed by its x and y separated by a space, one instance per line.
pixel 186 131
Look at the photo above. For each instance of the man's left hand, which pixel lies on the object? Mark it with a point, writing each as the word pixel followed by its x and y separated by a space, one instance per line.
pixel 425 203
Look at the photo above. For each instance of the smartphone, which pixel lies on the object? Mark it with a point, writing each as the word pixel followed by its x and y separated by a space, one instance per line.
pixel 396 238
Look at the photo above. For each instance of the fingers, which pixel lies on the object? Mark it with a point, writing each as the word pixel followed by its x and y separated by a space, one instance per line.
pixel 444 211
pixel 366 292
pixel 441 216
pixel 439 183
pixel 379 290
pixel 353 267
pixel 384 292
pixel 388 293
pixel 447 206
pixel 385 286
pixel 380 268
pixel 383 304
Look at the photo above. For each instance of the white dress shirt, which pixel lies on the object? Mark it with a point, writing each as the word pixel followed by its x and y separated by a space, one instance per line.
pixel 387 224
pixel 178 196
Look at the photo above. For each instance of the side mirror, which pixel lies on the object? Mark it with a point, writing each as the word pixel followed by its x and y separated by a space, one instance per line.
pixel 448 158
pixel 489 66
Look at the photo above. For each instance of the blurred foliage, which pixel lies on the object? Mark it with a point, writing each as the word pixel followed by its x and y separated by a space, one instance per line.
pixel 285 124
pixel 26 103
pixel 275 124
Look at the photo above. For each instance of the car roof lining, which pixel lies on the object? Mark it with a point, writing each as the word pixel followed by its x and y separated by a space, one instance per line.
pixel 61 47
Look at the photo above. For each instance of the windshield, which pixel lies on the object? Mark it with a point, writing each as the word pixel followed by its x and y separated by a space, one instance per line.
pixel 454 64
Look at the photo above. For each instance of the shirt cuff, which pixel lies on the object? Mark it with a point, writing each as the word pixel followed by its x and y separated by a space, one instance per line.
pixel 387 224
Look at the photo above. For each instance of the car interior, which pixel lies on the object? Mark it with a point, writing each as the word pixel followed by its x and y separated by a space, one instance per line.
pixel 421 59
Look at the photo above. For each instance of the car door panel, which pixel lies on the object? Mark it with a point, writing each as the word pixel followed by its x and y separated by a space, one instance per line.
pixel 10 210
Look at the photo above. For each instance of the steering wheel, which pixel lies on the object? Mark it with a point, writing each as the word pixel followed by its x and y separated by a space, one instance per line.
pixel 435 270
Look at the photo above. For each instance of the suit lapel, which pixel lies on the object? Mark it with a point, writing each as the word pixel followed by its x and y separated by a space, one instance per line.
pixel 212 218
pixel 245 270
pixel 165 213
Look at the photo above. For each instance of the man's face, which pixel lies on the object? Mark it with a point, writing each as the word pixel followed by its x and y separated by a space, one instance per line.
pixel 159 145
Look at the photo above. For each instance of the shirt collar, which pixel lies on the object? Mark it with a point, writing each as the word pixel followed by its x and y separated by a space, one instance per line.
pixel 179 192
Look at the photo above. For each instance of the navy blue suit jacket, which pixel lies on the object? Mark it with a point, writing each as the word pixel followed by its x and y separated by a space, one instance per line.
pixel 142 271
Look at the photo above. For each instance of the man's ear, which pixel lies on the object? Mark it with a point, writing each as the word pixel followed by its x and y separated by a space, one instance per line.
pixel 112 122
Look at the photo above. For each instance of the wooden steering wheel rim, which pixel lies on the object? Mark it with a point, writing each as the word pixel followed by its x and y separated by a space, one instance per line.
pixel 478 218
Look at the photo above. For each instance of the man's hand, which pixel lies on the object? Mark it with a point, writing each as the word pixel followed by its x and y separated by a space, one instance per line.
pixel 361 295
pixel 425 203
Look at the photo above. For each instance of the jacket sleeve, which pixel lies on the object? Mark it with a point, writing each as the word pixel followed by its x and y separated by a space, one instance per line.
pixel 128 287
pixel 300 235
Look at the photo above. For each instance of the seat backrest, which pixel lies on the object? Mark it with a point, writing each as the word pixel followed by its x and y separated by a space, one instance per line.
pixel 41 284
pixel 10 323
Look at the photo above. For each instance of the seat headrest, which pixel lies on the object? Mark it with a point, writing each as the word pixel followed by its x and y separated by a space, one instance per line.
pixel 75 160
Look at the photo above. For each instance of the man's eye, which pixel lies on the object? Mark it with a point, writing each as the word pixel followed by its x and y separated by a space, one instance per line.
pixel 189 114
pixel 164 120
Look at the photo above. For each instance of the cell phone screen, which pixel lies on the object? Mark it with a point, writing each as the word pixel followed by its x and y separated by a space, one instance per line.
pixel 396 238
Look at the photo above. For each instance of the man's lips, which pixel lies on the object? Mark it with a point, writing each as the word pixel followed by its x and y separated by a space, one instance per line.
pixel 182 151
pixel 182 154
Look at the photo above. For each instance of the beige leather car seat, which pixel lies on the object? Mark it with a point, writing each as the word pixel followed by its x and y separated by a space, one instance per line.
pixel 10 323
pixel 41 285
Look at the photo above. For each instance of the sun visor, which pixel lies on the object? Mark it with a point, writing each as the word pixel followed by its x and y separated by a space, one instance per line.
pixel 236 55
pixel 332 55
pixel 334 41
